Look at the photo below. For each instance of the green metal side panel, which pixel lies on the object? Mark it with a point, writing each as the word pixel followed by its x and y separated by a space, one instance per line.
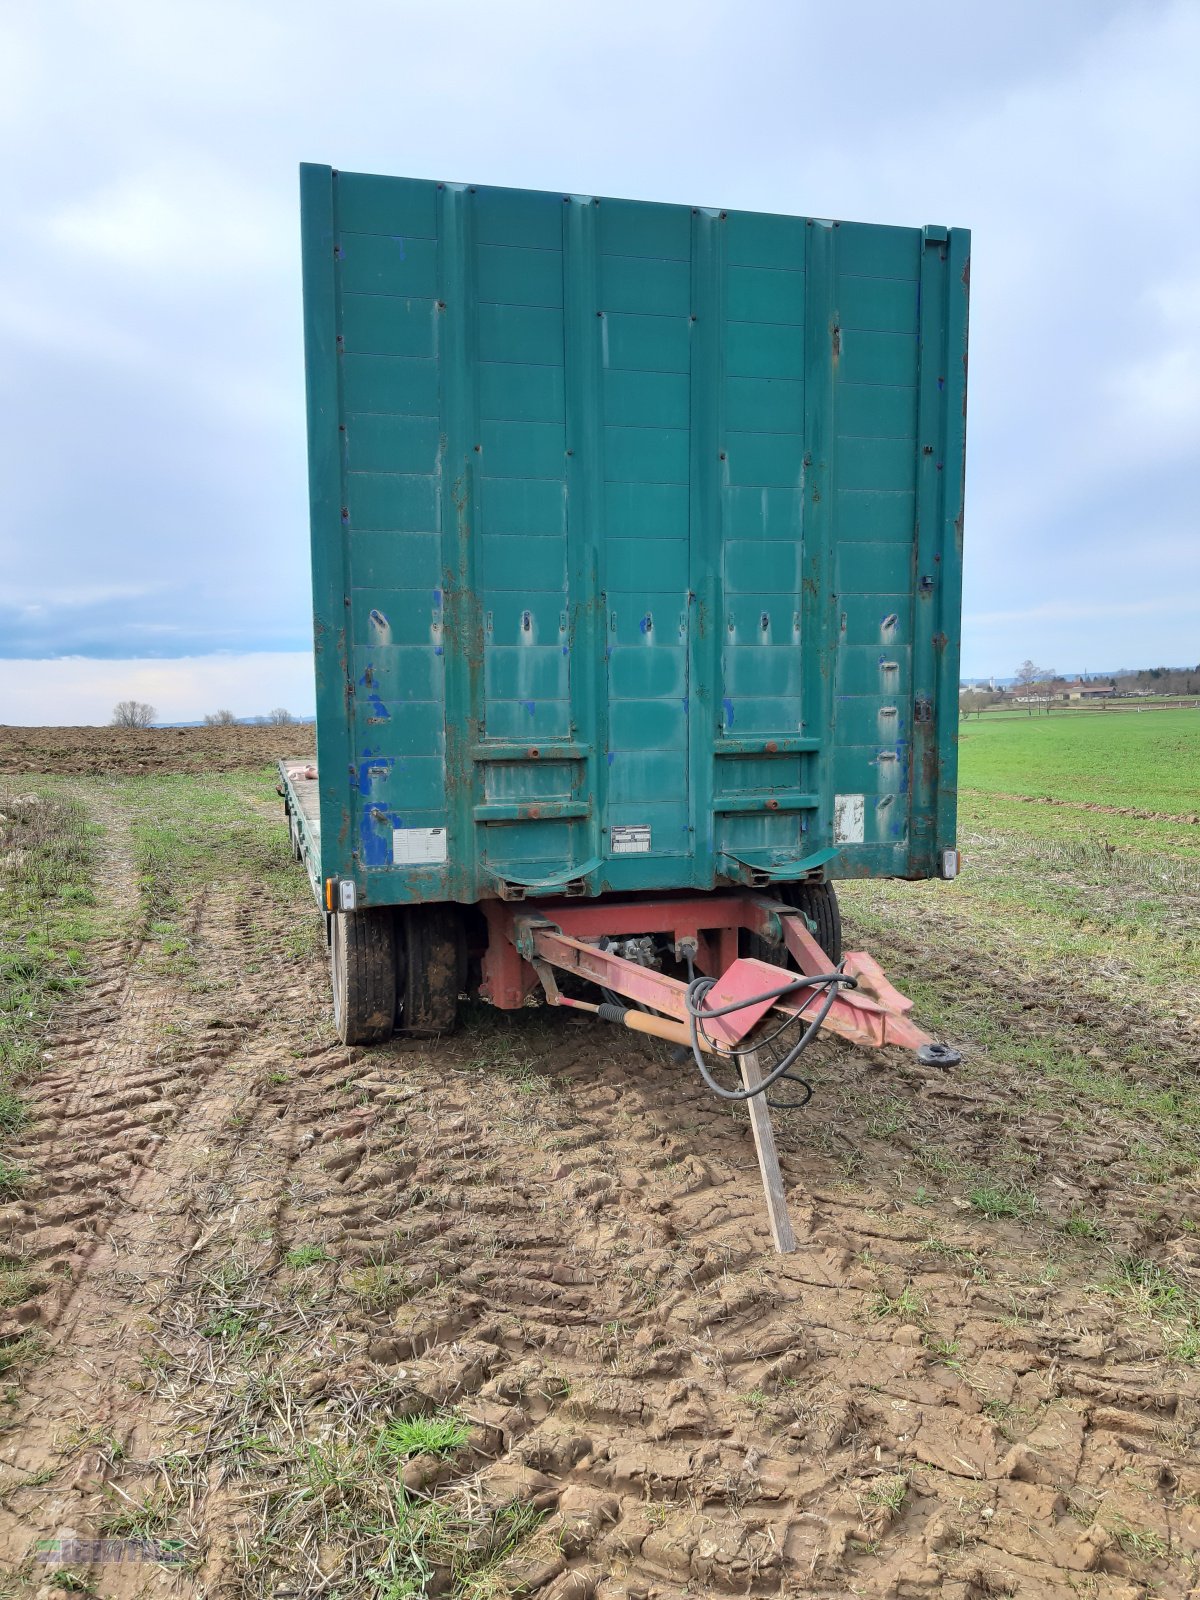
pixel 636 536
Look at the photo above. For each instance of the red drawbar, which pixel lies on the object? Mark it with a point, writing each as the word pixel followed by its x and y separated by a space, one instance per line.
pixel 566 934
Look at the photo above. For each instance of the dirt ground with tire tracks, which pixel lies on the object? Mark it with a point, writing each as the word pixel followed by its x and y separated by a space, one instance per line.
pixel 249 1249
pixel 82 751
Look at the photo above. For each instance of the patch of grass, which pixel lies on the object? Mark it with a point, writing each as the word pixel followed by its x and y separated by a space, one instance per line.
pixel 1183 1343
pixel 1151 1286
pixel 378 1286
pixel 1141 1543
pixel 13 1178
pixel 13 1113
pixel 144 1518
pixel 889 1116
pixel 889 1493
pixel 307 1255
pixel 47 865
pixel 936 1161
pixel 225 1323
pixel 945 1351
pixel 17 1283
pixel 21 1352
pixel 1155 1293
pixel 1008 1201
pixel 419 1436
pixel 73 1581
pixel 907 1305
pixel 1080 1226
pixel 949 1251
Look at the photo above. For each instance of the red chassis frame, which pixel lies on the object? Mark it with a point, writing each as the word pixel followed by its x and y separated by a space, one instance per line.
pixel 524 937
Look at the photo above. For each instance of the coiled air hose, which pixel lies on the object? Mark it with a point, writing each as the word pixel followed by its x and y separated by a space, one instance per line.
pixel 698 989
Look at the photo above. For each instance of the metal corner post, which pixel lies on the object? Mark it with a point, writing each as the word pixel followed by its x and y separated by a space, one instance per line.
pixel 706 590
pixel 818 576
pixel 463 631
pixel 958 290
pixel 586 543
pixel 326 492
pixel 928 564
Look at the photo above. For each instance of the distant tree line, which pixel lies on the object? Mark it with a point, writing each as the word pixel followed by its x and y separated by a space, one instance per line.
pixel 137 714
pixel 1161 680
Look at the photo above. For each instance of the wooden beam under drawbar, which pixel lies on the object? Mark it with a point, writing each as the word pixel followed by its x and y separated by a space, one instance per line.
pixel 768 1158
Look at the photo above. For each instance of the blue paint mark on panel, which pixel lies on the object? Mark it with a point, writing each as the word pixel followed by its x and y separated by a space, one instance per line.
pixel 530 706
pixel 684 704
pixel 371 771
pixel 727 707
pixel 612 756
pixel 379 709
pixel 398 241
pixel 376 837
pixel 439 650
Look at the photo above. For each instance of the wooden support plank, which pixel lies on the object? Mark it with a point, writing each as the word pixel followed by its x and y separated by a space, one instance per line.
pixel 768 1158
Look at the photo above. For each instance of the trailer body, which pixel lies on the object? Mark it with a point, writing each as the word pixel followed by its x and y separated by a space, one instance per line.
pixel 636 543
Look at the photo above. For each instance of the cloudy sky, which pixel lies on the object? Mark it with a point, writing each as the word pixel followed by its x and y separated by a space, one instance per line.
pixel 153 532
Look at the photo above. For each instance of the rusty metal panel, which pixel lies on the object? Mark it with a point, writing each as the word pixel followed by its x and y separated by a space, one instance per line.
pixel 636 540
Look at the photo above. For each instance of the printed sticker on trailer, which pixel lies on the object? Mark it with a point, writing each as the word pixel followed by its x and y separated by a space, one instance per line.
pixel 419 847
pixel 849 813
pixel 630 839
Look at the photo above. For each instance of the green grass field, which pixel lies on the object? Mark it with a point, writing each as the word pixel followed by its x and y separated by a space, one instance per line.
pixel 1097 910
pixel 1149 760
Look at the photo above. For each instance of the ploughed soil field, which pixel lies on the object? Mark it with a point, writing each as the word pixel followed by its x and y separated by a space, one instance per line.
pixel 498 1315
pixel 83 751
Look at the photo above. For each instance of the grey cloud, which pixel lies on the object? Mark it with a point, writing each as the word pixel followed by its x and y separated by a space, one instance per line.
pixel 153 450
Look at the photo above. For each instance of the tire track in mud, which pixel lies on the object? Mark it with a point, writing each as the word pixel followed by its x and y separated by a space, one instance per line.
pixel 132 1132
pixel 577 1257
pixel 704 1414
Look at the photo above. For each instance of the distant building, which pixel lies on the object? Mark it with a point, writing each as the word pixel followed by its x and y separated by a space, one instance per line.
pixel 1085 690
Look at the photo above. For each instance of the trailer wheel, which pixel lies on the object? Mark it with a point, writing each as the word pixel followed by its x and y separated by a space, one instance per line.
pixel 431 964
pixel 819 903
pixel 362 949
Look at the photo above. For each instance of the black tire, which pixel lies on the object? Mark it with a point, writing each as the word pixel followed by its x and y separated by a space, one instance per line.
pixel 362 953
pixel 431 965
pixel 819 903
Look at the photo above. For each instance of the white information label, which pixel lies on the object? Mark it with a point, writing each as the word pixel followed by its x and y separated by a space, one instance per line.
pixel 630 839
pixel 418 847
pixel 849 811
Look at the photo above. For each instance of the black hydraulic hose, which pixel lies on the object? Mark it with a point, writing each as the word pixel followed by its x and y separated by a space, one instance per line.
pixel 694 997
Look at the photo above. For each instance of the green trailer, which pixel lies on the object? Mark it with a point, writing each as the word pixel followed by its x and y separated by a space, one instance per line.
pixel 636 550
